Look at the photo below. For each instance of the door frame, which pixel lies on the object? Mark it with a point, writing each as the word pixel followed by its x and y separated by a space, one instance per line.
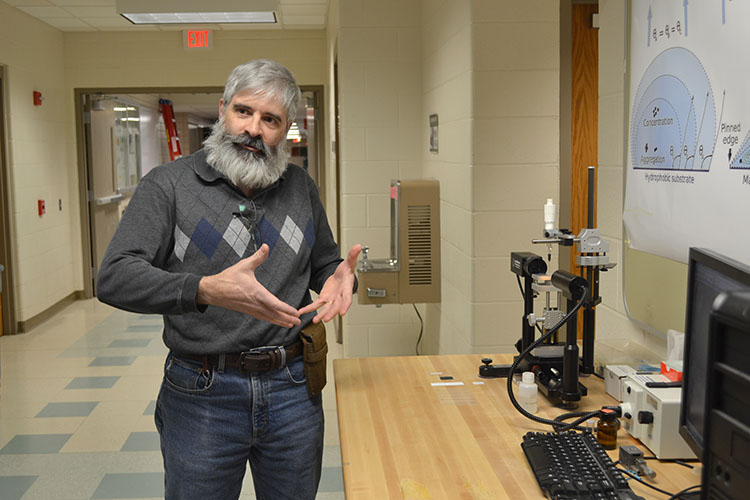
pixel 7 253
pixel 319 105
pixel 88 227
pixel 85 188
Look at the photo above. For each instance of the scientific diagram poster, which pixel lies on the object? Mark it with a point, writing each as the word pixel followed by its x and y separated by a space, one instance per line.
pixel 688 151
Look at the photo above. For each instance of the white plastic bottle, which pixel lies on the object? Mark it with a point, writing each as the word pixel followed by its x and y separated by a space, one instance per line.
pixel 527 392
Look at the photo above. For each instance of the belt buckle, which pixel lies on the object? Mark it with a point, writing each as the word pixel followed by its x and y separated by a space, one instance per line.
pixel 243 355
pixel 276 356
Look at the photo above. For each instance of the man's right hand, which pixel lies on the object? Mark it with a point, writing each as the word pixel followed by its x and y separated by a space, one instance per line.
pixel 236 288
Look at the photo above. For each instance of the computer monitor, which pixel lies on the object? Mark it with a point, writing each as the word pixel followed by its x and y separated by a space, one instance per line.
pixel 709 274
pixel 726 448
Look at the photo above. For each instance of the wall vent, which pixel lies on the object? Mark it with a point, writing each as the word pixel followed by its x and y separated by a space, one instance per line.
pixel 419 227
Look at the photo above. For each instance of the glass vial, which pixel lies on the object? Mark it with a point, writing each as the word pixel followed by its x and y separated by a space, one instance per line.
pixel 527 392
pixel 606 429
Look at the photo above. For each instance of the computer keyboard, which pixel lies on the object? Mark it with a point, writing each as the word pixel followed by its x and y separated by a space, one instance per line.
pixel 574 466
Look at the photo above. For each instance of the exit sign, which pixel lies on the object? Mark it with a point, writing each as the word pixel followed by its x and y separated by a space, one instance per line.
pixel 198 39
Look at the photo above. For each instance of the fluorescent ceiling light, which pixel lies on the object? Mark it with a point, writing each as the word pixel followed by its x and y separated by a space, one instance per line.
pixel 198 11
pixel 294 134
pixel 201 18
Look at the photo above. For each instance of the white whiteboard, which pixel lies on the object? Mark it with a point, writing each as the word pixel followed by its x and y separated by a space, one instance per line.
pixel 688 151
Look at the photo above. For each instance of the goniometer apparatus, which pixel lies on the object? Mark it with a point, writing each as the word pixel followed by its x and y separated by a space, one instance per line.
pixel 592 258
pixel 556 364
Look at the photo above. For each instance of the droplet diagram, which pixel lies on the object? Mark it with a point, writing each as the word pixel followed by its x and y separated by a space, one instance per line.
pixel 673 123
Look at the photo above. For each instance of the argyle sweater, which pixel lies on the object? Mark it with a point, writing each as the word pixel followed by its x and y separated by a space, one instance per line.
pixel 185 221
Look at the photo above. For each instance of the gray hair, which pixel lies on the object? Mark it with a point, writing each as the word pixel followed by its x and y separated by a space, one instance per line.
pixel 265 77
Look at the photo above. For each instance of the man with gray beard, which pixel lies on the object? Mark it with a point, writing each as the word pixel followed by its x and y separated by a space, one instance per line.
pixel 241 166
pixel 226 244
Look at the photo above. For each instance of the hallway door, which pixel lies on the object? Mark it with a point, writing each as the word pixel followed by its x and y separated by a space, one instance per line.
pixel 112 144
pixel 306 137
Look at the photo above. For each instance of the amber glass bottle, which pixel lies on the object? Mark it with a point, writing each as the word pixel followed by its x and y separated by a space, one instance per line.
pixel 606 429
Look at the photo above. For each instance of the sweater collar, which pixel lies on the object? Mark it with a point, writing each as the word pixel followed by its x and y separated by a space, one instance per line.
pixel 203 169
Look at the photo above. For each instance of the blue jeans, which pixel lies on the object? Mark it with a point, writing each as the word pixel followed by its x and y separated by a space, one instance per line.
pixel 211 424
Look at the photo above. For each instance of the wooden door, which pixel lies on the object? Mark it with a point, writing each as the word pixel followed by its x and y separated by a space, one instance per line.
pixel 584 119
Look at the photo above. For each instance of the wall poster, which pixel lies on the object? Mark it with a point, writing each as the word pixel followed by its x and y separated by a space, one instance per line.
pixel 688 151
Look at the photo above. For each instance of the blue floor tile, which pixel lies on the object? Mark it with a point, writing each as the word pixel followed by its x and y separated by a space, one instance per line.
pixel 145 328
pixel 331 479
pixel 149 317
pixel 92 383
pixel 130 343
pixel 142 441
pixel 82 409
pixel 134 485
pixel 23 444
pixel 13 487
pixel 150 409
pixel 113 361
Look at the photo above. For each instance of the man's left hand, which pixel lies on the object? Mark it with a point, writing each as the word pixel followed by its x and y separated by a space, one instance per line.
pixel 336 295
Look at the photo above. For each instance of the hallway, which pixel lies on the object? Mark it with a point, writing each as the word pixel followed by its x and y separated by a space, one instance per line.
pixel 77 398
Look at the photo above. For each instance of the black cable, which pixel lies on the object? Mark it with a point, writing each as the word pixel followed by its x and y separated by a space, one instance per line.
pixel 574 425
pixel 520 286
pixel 421 328
pixel 558 426
pixel 679 494
pixel 671 460
pixel 672 496
pixel 565 416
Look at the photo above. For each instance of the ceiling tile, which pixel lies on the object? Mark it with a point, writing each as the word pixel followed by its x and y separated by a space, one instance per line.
pixel 304 10
pixel 253 27
pixel 37 3
pixel 67 22
pixel 82 12
pixel 107 22
pixel 304 27
pixel 101 14
pixel 304 20
pixel 41 12
pixel 84 3
pixel 304 2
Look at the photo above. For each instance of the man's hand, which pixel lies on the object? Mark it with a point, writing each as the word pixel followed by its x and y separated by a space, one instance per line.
pixel 336 295
pixel 236 288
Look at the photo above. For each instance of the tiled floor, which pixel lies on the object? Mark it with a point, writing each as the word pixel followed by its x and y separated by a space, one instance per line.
pixel 77 404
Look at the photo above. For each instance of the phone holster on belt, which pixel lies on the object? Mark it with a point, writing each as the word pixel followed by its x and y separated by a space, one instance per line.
pixel 315 349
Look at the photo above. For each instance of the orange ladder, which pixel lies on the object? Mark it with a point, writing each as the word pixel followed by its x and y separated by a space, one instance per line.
pixel 170 125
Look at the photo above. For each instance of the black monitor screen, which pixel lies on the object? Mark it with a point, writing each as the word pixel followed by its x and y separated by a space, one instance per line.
pixel 709 274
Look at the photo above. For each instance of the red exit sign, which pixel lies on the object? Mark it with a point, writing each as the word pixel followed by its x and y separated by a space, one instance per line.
pixel 198 39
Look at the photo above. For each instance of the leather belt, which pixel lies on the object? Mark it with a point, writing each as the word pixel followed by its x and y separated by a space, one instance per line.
pixel 250 361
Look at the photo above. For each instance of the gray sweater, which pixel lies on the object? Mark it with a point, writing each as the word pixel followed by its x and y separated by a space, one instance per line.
pixel 186 221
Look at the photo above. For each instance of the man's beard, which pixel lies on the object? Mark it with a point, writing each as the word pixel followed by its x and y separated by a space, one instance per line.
pixel 245 168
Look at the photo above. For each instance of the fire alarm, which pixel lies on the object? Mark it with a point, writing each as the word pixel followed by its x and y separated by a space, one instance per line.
pixel 38 98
